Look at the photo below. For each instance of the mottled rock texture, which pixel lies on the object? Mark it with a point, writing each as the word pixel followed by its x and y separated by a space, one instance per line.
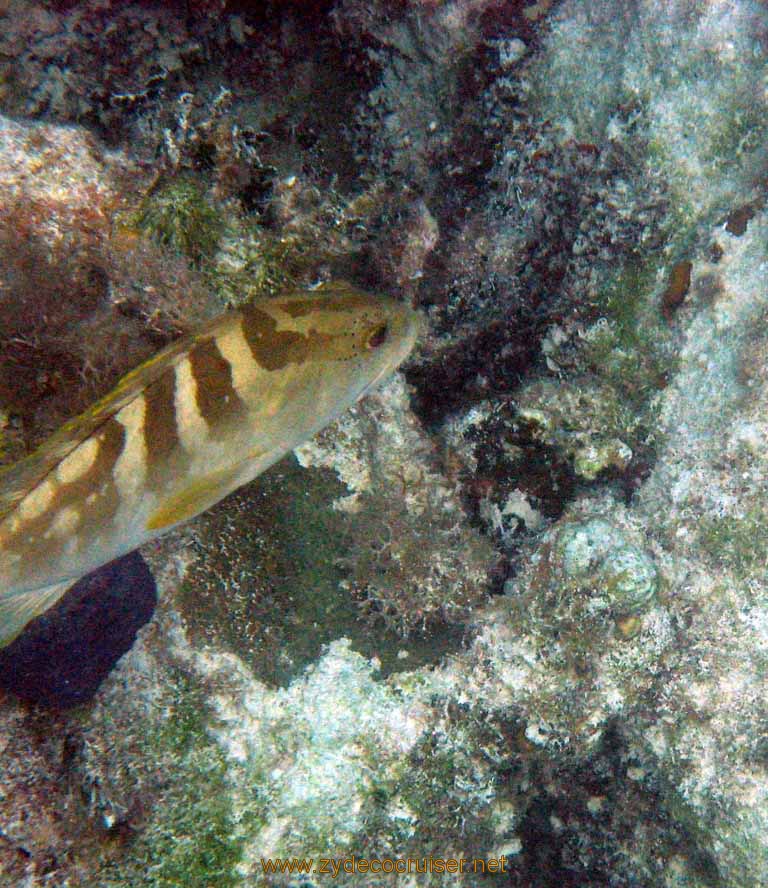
pixel 515 603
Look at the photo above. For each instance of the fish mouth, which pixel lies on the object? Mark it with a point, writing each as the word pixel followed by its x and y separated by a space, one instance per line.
pixel 411 324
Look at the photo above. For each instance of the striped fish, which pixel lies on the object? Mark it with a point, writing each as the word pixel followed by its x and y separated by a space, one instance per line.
pixel 187 427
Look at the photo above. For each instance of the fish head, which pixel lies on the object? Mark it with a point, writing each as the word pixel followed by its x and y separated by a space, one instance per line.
pixel 353 335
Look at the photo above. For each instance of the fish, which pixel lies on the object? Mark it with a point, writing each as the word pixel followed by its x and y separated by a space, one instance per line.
pixel 206 415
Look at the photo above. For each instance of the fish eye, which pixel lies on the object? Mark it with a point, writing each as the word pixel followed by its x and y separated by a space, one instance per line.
pixel 379 336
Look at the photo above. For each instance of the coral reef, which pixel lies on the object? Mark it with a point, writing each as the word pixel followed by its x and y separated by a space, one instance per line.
pixel 72 282
pixel 514 604
pixel 413 562
pixel 706 505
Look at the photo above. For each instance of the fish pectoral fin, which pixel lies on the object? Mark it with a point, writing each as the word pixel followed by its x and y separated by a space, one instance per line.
pixel 198 496
pixel 18 608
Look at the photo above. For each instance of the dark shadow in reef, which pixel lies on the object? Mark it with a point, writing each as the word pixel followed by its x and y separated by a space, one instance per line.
pixel 62 656
pixel 566 843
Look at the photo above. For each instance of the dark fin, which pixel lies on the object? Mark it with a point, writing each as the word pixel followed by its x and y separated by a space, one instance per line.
pixel 62 656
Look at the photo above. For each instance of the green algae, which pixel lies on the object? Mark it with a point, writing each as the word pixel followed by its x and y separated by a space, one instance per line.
pixel 258 263
pixel 192 836
pixel 178 215
pixel 736 542
pixel 633 352
pixel 446 794
pixel 449 785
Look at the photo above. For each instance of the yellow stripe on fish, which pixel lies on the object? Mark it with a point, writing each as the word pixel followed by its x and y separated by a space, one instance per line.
pixel 183 430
